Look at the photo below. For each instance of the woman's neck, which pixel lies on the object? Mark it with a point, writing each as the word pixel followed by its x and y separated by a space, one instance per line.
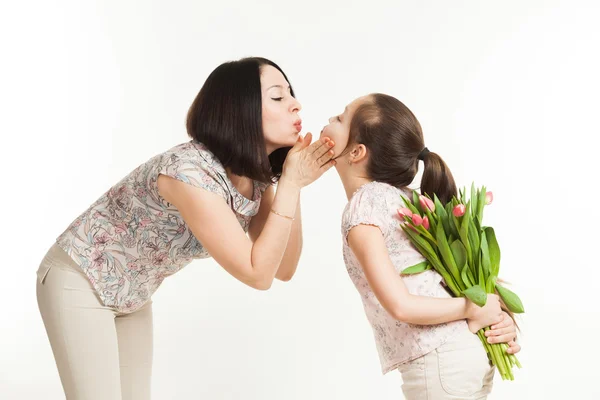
pixel 243 184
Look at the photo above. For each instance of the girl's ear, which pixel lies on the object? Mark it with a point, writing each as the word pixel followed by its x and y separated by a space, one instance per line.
pixel 359 153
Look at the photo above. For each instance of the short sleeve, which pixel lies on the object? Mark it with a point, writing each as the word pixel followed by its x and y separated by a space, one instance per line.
pixel 195 171
pixel 262 187
pixel 367 207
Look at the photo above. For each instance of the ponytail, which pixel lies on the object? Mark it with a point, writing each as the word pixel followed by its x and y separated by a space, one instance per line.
pixel 437 178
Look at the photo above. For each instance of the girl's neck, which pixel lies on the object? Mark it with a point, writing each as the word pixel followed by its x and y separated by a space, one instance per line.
pixel 352 183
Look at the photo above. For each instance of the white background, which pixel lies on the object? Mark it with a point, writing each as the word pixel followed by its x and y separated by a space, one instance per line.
pixel 506 92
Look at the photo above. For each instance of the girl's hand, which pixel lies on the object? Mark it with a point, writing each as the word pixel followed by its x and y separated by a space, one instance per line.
pixel 482 317
pixel 504 332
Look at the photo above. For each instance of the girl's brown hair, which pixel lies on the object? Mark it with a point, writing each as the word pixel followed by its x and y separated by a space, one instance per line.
pixel 394 138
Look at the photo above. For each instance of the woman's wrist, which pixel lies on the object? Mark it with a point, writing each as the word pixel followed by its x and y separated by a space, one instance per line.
pixel 286 198
pixel 286 183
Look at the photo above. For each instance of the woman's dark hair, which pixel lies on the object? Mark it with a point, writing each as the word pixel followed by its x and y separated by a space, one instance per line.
pixel 226 116
pixel 394 138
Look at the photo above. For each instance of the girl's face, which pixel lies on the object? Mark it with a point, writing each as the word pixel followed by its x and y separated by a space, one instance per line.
pixel 338 128
pixel 280 120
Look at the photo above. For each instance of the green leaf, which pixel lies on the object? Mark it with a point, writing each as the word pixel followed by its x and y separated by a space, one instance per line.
pixel 494 251
pixel 453 222
pixel 459 252
pixel 423 245
pixel 410 206
pixel 485 256
pixel 465 276
pixel 481 275
pixel 464 233
pixel 474 198
pixel 471 276
pixel 454 225
pixel 438 204
pixel 427 251
pixel 446 253
pixel 481 204
pixel 448 208
pixel 426 234
pixel 477 226
pixel 475 267
pixel 455 202
pixel 476 294
pixel 433 223
pixel 512 301
pixel 442 214
pixel 490 284
pixel 473 238
pixel 416 202
pixel 417 268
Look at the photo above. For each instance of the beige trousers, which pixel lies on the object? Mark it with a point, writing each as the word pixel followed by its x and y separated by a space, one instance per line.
pixel 459 369
pixel 100 354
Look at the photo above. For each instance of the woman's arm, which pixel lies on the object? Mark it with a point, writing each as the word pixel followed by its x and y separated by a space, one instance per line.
pixel 368 245
pixel 215 226
pixel 291 256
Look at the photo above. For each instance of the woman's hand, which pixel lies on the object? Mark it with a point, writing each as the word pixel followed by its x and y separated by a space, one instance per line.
pixel 306 162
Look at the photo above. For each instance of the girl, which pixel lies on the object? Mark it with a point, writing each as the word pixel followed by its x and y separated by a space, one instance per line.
pixel 196 200
pixel 419 328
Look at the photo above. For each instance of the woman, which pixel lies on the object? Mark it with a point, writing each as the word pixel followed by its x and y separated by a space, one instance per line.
pixel 196 200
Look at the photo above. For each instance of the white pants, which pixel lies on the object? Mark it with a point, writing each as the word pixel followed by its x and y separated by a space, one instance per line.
pixel 100 354
pixel 459 369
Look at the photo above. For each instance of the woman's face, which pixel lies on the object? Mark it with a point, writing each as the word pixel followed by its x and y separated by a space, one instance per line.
pixel 280 120
pixel 338 128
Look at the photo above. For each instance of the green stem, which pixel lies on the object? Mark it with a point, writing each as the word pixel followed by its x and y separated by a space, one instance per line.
pixel 493 354
pixel 499 357
pixel 511 357
pixel 515 360
pixel 503 358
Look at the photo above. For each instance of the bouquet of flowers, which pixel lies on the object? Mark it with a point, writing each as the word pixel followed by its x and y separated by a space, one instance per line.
pixel 465 253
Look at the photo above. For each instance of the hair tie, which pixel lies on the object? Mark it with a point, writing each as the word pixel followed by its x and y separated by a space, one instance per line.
pixel 423 154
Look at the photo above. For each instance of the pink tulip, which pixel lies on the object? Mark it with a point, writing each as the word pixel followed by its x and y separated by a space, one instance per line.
pixel 426 203
pixel 489 197
pixel 426 223
pixel 459 210
pixel 402 212
pixel 417 220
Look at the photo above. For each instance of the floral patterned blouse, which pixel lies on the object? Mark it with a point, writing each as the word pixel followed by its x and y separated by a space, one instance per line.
pixel 131 238
pixel 375 203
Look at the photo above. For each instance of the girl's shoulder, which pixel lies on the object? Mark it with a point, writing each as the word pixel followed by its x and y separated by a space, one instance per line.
pixel 374 203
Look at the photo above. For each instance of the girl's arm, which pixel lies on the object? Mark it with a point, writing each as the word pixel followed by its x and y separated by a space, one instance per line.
pixel 368 245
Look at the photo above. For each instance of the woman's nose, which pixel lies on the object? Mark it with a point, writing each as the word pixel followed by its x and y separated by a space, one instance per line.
pixel 296 106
